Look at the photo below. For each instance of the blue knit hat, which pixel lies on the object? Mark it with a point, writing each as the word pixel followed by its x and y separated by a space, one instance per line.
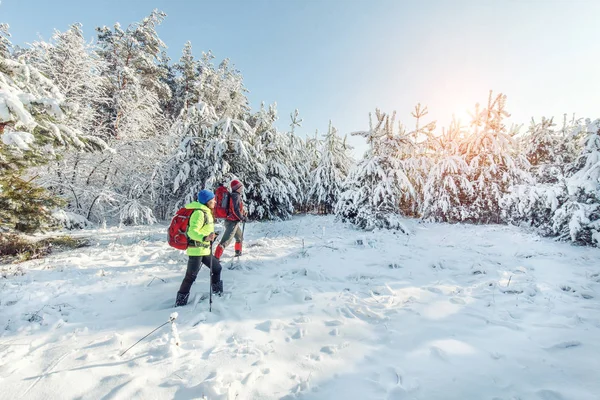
pixel 204 196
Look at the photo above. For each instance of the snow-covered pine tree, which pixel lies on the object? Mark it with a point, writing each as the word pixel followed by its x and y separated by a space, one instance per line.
pixel 375 186
pixel 31 117
pixel 331 172
pixel 415 156
pixel 494 160
pixel 551 154
pixel 188 171
pixel 170 105
pixel 273 191
pixel 447 190
pixel 5 43
pixel 299 163
pixel 188 81
pixel 75 68
pixel 214 146
pixel 540 144
pixel 578 218
pixel 313 155
pixel 115 184
pixel 135 80
pixel 223 88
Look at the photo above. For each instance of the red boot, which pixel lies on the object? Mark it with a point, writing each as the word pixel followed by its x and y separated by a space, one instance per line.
pixel 238 249
pixel 219 252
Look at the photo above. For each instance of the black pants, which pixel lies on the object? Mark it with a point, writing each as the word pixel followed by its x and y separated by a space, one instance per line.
pixel 193 267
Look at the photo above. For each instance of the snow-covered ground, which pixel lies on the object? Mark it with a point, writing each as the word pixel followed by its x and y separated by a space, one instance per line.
pixel 449 312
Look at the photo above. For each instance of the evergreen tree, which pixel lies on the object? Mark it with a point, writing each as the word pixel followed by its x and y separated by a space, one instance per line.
pixel 416 160
pixel 171 105
pixel 135 80
pixel 376 185
pixel 275 193
pixel 494 161
pixel 313 156
pixel 448 190
pixel 188 81
pixel 331 172
pixel 5 44
pixel 31 117
pixel 189 170
pixel 73 66
pixel 578 218
pixel 300 163
pixel 223 88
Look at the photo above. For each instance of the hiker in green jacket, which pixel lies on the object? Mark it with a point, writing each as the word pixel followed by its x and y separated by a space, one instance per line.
pixel 201 234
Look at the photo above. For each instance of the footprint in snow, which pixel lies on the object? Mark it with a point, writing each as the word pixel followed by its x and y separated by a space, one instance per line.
pixel 567 289
pixel 434 290
pixel 565 345
pixel 457 300
pixel 269 325
pixel 329 350
pixel 438 353
pixel 254 375
pixel 302 320
pixel 299 334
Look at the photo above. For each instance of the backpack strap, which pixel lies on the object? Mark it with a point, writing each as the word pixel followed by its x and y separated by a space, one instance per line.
pixel 194 242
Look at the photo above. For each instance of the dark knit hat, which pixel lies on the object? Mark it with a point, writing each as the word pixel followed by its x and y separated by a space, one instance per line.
pixel 235 185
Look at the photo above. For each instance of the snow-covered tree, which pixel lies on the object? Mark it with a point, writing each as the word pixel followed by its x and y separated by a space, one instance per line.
pixel 74 67
pixel 188 171
pixel 275 193
pixel 378 183
pixel 170 105
pixel 135 80
pixel 551 152
pixel 120 185
pixel 313 145
pixel 5 44
pixel 494 161
pixel 416 159
pixel 32 116
pixel 300 163
pixel 216 143
pixel 578 218
pixel 188 82
pixel 448 190
pixel 331 172
pixel 223 88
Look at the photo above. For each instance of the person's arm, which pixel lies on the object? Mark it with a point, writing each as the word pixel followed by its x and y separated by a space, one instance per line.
pixel 197 230
pixel 236 199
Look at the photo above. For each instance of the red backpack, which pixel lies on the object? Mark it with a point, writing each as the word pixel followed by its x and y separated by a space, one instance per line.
pixel 177 236
pixel 222 196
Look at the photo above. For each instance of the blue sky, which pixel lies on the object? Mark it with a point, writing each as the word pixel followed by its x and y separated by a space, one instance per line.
pixel 340 59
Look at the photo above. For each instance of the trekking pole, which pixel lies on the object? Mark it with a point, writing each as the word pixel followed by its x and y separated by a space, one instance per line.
pixel 172 319
pixel 210 279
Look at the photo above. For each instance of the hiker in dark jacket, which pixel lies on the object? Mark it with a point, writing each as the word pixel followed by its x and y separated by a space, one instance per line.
pixel 201 233
pixel 236 214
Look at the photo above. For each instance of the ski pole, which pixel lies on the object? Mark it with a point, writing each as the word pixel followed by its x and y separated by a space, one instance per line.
pixel 211 278
pixel 243 229
pixel 172 318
